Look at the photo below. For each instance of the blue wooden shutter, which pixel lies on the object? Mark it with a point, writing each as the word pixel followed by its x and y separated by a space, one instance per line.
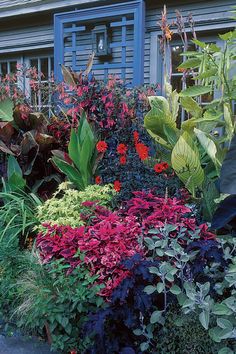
pixel 73 40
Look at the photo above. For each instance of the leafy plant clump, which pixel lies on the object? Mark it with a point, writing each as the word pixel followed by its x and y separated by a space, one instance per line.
pixel 49 298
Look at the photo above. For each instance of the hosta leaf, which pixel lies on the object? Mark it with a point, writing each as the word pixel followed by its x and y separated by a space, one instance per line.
pixel 186 163
pixel 197 90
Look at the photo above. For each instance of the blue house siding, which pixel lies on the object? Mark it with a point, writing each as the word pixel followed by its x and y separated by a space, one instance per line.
pixel 24 33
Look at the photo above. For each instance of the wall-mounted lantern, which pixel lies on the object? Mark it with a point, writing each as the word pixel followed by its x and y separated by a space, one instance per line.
pixel 100 41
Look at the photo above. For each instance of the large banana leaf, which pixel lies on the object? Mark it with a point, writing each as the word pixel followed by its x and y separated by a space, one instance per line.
pixel 209 146
pixel 159 118
pixel 186 163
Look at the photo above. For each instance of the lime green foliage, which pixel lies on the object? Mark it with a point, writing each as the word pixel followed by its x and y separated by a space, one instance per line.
pixel 65 206
pixel 79 165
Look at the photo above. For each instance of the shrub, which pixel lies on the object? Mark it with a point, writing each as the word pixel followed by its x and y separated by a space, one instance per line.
pixel 50 298
pixel 154 212
pixel 105 244
pixel 66 205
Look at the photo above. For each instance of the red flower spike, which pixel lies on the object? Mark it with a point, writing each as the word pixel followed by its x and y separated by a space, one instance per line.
pixel 121 149
pixel 117 186
pixel 136 136
pixel 123 160
pixel 101 146
pixel 142 151
pixel 98 180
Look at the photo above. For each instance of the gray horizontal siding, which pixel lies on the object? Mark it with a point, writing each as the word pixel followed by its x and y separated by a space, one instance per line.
pixel 29 38
pixel 209 13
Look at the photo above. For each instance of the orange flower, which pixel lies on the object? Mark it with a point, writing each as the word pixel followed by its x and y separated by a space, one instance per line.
pixel 121 149
pixel 101 146
pixel 123 160
pixel 98 180
pixel 117 186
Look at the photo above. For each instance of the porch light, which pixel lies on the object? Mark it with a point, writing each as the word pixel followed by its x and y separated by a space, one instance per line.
pixel 100 41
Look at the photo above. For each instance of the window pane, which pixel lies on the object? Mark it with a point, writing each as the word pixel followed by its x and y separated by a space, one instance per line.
pixel 34 63
pixel 177 59
pixel 44 68
pixel 176 82
pixel 4 69
pixel 13 66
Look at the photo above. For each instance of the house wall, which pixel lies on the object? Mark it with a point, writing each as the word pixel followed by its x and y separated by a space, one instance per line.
pixel 34 31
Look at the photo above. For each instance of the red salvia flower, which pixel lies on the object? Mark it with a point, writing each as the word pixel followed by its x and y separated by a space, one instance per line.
pixel 121 149
pixel 123 160
pixel 136 136
pixel 158 168
pixel 117 186
pixel 142 151
pixel 98 180
pixel 101 146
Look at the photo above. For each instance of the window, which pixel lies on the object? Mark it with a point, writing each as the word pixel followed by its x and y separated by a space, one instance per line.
pixel 41 98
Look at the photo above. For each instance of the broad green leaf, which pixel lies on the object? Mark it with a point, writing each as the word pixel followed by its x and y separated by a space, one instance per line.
pixel 144 346
pixel 206 74
pixel 159 140
pixel 208 145
pixel 186 163
pixel 204 319
pixel 160 287
pixel 229 127
pixel 191 106
pixel 16 182
pixel 13 167
pixel 175 289
pixel 74 148
pixel 174 104
pixel 155 317
pixel 196 90
pixel 190 63
pixel 6 110
pixel 150 289
pixel 226 36
pixel 224 323
pixel 72 174
pixel 221 310
pixel 225 350
pixel 199 43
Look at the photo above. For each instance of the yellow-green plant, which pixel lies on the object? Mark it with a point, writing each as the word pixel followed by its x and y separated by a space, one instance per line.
pixel 65 206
